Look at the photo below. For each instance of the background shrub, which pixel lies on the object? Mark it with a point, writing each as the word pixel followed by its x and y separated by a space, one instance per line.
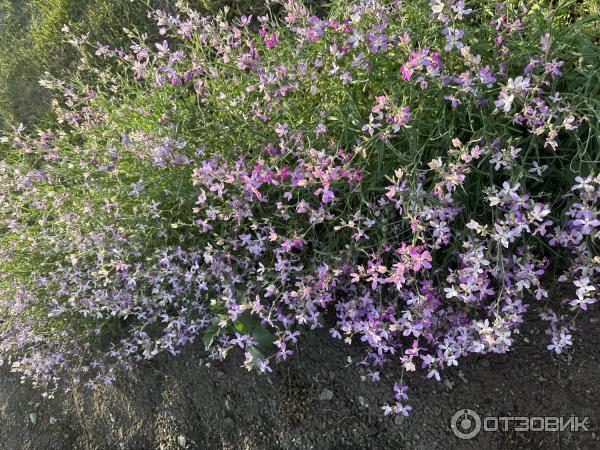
pixel 32 43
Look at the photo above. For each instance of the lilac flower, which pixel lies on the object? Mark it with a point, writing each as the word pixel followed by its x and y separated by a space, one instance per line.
pixel 460 11
pixel 434 373
pixel 401 118
pixel 402 409
pixel 545 42
pixel 437 10
pixel 518 84
pixel 486 76
pixel 378 42
pixel 505 101
pixel 400 390
pixel 281 129
pixel 163 47
pixel 584 289
pixel 587 221
pixel 559 344
pixel 355 40
pixel 553 68
pixel 537 168
pixel 345 77
pixel 263 366
pixel 453 36
pixel 102 50
pixel 454 102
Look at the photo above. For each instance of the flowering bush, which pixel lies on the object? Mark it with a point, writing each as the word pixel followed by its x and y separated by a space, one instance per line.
pixel 408 176
pixel 31 43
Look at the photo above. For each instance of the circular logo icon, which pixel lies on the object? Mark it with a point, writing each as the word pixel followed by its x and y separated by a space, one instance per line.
pixel 465 424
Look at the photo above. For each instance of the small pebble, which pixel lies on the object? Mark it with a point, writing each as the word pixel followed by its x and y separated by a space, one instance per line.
pixel 326 394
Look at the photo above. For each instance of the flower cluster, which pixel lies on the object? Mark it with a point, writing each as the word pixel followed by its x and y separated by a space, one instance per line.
pixel 405 186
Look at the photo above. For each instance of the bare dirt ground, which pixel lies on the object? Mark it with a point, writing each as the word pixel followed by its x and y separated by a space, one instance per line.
pixel 191 402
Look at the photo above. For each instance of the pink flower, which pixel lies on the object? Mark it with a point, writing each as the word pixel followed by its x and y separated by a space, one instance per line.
pixel 272 41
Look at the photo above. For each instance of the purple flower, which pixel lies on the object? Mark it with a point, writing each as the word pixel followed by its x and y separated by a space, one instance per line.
pixel 281 129
pixel 505 101
pixel 460 11
pixel 545 42
pixel 402 409
pixel 400 390
pixel 454 102
pixel 486 76
pixel 378 42
pixel 162 47
pixel 453 36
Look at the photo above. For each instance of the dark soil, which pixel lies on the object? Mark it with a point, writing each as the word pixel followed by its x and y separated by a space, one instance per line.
pixel 191 402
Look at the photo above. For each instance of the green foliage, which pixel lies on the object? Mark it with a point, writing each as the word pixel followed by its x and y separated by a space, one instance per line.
pixel 32 43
